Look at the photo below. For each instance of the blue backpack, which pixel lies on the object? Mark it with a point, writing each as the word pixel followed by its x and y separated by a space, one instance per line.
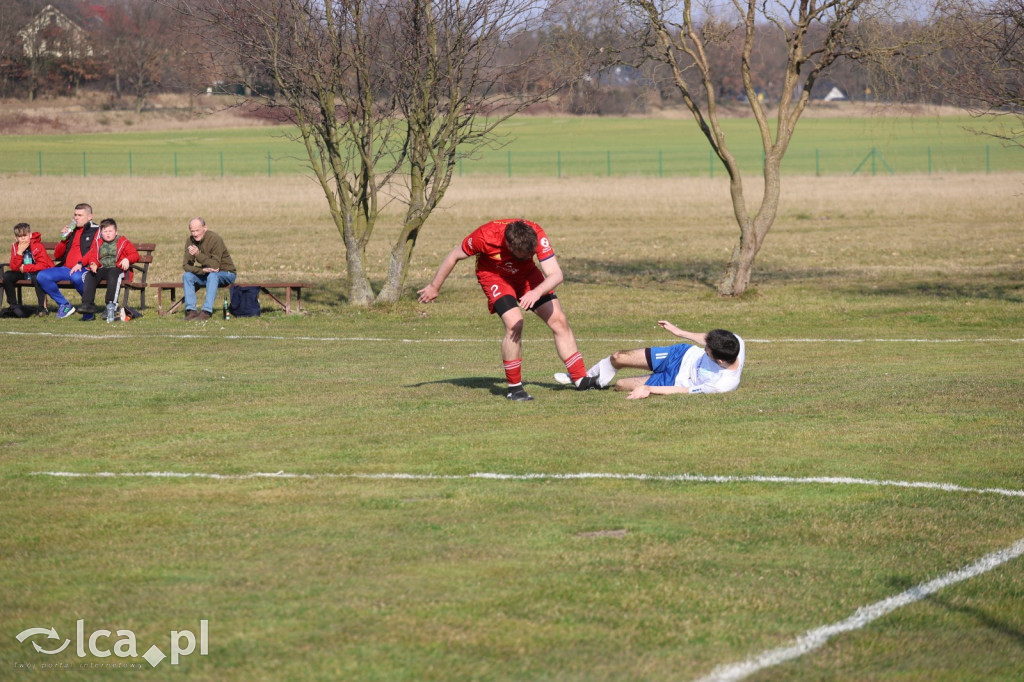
pixel 245 301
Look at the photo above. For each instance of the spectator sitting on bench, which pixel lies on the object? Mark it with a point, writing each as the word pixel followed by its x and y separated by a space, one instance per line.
pixel 70 254
pixel 109 258
pixel 28 257
pixel 207 264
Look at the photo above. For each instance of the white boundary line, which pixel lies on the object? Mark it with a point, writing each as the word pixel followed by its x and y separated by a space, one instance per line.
pixel 376 339
pixel 804 644
pixel 677 478
pixel 816 638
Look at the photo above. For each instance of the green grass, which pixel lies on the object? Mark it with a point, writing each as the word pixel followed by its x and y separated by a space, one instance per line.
pixel 873 352
pixel 552 147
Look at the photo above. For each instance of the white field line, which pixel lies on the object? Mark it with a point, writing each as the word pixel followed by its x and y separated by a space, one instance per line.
pixel 380 339
pixel 805 643
pixel 816 638
pixel 672 478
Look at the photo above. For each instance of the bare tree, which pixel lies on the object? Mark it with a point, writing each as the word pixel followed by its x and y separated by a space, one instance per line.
pixel 14 16
pixel 137 38
pixel 982 63
pixel 694 38
pixel 387 96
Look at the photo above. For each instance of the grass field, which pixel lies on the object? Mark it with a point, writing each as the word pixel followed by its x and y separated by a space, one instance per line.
pixel 553 147
pixel 884 335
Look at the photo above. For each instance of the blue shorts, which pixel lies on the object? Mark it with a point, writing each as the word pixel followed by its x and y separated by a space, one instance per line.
pixel 665 362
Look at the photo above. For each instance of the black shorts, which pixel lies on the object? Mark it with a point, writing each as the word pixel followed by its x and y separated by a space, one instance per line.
pixel 508 302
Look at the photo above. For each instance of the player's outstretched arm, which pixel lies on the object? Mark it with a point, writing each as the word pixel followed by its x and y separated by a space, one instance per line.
pixel 698 338
pixel 641 392
pixel 430 292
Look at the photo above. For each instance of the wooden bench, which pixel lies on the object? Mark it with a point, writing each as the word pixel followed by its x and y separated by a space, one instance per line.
pixel 139 284
pixel 290 288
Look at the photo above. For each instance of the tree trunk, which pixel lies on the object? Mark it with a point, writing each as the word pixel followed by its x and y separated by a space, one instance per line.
pixel 752 230
pixel 360 291
pixel 398 264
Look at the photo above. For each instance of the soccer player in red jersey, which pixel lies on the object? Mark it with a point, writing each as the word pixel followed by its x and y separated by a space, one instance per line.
pixel 512 282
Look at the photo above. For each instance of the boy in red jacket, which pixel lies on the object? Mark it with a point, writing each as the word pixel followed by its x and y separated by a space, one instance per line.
pixel 109 258
pixel 28 256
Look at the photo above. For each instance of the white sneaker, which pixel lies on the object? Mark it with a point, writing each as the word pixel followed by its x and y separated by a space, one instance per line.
pixel 563 378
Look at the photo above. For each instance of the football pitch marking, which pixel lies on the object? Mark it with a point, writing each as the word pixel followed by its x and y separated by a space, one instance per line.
pixel 804 644
pixel 489 340
pixel 816 638
pixel 669 478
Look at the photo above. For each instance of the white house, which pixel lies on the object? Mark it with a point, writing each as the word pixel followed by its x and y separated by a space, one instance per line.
pixel 53 34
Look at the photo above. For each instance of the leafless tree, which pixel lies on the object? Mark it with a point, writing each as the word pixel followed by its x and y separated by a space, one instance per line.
pixel 387 96
pixel 137 38
pixel 697 40
pixel 14 16
pixel 982 63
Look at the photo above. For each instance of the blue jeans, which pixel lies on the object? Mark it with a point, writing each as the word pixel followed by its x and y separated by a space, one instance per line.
pixel 211 281
pixel 48 279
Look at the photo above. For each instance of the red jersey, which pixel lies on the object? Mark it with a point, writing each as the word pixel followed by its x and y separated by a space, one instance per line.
pixel 487 243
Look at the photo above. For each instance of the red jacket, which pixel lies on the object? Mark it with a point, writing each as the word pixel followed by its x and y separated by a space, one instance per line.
pixel 41 259
pixel 125 249
pixel 69 251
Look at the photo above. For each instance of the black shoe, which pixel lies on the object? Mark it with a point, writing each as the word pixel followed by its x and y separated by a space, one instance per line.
pixel 587 383
pixel 518 393
pixel 191 314
pixel 87 308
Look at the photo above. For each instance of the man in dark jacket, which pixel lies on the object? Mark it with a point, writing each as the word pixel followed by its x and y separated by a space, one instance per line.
pixel 207 264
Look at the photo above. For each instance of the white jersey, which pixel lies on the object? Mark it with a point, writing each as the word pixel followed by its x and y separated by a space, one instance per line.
pixel 701 374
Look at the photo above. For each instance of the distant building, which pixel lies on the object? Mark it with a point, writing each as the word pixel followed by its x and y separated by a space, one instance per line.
pixel 53 34
pixel 835 95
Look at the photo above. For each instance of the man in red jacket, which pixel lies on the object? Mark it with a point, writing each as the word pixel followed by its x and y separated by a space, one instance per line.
pixel 70 254
pixel 28 257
